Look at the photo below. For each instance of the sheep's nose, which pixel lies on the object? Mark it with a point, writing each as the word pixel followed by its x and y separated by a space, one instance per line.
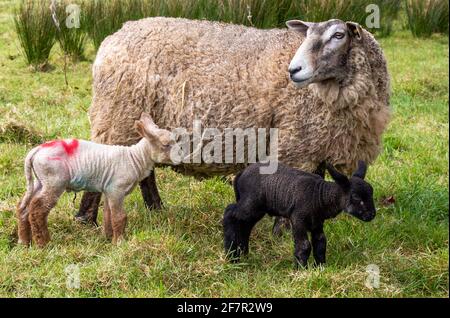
pixel 293 71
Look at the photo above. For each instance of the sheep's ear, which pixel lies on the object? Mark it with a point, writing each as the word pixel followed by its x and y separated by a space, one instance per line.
pixel 338 177
pixel 299 26
pixel 361 171
pixel 355 30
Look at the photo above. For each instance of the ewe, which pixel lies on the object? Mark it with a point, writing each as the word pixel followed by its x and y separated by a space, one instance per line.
pixel 234 76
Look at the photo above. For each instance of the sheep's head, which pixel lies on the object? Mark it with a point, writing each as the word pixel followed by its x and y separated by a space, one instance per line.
pixel 358 193
pixel 161 141
pixel 323 54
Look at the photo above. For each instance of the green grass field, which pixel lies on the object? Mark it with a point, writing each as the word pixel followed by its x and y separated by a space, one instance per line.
pixel 177 251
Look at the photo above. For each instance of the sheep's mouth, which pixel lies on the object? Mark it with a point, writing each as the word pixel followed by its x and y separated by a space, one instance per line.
pixel 301 82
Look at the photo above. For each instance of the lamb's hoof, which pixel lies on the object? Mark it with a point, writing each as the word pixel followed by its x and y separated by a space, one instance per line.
pixel 118 241
pixel 85 220
pixel 319 266
pixel 42 242
pixel 299 266
pixel 25 243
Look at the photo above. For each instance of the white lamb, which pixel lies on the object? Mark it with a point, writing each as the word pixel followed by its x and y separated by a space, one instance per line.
pixel 76 165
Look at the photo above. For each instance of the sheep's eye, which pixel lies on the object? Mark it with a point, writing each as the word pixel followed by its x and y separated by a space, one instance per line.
pixel 338 35
pixel 361 203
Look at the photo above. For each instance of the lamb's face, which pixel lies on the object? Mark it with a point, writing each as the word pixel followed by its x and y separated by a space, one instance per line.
pixel 360 202
pixel 323 54
pixel 161 141
pixel 162 147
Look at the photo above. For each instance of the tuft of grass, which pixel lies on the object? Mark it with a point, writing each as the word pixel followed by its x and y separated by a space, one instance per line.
pixel 36 32
pixel 427 17
pixel 13 131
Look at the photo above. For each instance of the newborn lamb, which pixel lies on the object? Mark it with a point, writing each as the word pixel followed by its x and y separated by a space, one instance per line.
pixel 76 165
pixel 305 198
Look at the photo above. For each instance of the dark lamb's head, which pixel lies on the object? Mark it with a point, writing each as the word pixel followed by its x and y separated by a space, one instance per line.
pixel 358 193
pixel 323 54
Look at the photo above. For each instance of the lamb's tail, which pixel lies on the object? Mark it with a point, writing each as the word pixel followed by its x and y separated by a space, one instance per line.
pixel 29 177
pixel 235 181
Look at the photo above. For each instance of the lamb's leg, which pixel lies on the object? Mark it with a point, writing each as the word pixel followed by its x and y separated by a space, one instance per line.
pixel 24 226
pixel 39 209
pixel 302 245
pixel 279 225
pixel 319 244
pixel 150 192
pixel 320 170
pixel 118 217
pixel 89 208
pixel 238 222
pixel 107 225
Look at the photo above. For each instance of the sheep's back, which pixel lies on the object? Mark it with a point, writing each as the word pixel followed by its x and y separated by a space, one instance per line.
pixel 225 75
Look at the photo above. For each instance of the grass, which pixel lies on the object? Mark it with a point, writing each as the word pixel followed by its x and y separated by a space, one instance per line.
pixel 427 17
pixel 178 251
pixel 36 32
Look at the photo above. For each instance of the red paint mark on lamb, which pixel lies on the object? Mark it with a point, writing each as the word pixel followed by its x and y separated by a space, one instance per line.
pixel 69 147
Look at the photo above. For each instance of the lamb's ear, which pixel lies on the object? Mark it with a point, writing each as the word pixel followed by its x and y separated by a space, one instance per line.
pixel 361 171
pixel 338 177
pixel 139 126
pixel 147 120
pixel 355 30
pixel 299 26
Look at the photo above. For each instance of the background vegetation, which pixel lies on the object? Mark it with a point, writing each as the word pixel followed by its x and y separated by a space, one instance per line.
pixel 100 18
pixel 178 251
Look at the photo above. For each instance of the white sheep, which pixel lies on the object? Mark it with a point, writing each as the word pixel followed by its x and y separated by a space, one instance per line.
pixel 76 165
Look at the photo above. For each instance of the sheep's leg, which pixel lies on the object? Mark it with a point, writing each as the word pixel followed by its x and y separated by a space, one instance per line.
pixel 150 192
pixel 118 217
pixel 39 209
pixel 89 208
pixel 238 223
pixel 107 225
pixel 319 244
pixel 302 245
pixel 24 226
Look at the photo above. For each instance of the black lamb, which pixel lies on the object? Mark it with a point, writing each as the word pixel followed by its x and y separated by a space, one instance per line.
pixel 305 198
